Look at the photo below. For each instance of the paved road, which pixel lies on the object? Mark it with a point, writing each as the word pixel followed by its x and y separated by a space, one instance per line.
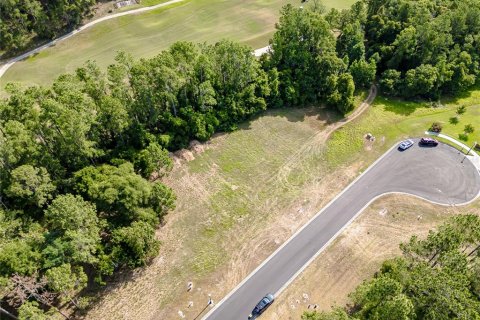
pixel 435 174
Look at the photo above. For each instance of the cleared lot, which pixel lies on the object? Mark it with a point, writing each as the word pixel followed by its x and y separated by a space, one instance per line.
pixel 435 174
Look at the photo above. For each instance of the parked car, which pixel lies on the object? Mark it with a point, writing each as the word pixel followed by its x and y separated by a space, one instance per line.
pixel 262 306
pixel 404 145
pixel 428 142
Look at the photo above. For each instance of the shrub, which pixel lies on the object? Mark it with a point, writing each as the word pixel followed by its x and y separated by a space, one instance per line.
pixel 461 110
pixel 469 128
pixel 463 136
pixel 436 127
pixel 453 120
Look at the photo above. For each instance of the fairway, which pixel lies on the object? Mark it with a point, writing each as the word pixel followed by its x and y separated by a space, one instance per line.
pixel 144 35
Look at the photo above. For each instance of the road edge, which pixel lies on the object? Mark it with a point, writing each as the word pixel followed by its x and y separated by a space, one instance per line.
pixel 336 234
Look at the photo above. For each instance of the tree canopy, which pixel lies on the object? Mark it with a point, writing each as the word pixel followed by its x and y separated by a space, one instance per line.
pixel 425 48
pixel 24 20
pixel 435 278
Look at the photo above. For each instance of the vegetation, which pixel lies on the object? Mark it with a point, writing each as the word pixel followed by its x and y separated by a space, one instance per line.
pixel 76 158
pixel 144 35
pixel 22 21
pixel 436 278
pixel 424 48
pixel 79 161
pixel 304 55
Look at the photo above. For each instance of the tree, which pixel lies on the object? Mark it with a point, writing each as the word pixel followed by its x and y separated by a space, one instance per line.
pixel 391 82
pixel 363 72
pixel 134 245
pixel 469 128
pixel 435 278
pixel 346 87
pixel 301 42
pixel 74 231
pixel 22 21
pixel 30 185
pixel 162 199
pixel 153 159
pixel 421 81
pixel 30 311
pixel 461 110
pixel 67 281
pixel 116 190
pixel 429 43
pixel 350 43
pixel 18 256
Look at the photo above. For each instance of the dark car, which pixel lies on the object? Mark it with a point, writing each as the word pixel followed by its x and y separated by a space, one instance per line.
pixel 428 142
pixel 262 306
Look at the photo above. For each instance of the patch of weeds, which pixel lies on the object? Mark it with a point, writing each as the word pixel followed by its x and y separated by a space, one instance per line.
pixel 208 255
pixel 469 129
pixel 463 136
pixel 453 120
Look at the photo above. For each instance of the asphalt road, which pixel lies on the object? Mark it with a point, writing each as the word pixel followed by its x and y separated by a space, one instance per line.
pixel 433 173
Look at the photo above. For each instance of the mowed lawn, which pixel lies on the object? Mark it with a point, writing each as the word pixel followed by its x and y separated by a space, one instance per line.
pixel 390 120
pixel 144 35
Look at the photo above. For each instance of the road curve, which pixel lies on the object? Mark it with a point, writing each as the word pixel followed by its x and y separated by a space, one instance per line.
pixel 435 174
pixel 11 62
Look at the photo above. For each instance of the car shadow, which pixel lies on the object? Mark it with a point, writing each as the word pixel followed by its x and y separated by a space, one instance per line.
pixel 426 146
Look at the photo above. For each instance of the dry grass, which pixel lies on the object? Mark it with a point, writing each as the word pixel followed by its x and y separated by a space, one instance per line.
pixel 359 251
pixel 249 191
pixel 237 201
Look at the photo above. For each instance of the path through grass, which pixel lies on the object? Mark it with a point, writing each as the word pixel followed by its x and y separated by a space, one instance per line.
pixel 250 190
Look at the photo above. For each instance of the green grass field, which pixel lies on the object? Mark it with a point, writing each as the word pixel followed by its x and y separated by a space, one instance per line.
pixel 251 188
pixel 390 120
pixel 144 35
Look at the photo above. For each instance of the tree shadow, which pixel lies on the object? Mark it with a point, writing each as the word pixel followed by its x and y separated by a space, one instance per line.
pixel 401 106
pixel 454 99
pixel 294 114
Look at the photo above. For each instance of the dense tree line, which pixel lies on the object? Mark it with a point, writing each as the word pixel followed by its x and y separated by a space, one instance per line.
pixel 435 278
pixel 21 21
pixel 80 161
pixel 420 48
pixel 305 58
pixel 424 48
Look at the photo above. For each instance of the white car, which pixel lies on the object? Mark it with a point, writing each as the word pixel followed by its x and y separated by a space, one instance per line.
pixel 404 145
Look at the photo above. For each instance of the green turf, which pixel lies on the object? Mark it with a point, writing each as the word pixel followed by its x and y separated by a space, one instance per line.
pixel 390 120
pixel 144 35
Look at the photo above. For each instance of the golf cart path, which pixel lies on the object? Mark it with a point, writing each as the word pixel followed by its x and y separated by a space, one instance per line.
pixel 435 174
pixel 11 62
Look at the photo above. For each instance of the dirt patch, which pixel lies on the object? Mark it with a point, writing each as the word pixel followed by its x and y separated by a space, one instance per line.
pixel 196 147
pixel 358 252
pixel 183 155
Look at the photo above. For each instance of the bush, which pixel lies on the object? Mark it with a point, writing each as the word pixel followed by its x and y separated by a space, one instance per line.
pixel 461 110
pixel 469 128
pixel 463 136
pixel 453 120
pixel 436 127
